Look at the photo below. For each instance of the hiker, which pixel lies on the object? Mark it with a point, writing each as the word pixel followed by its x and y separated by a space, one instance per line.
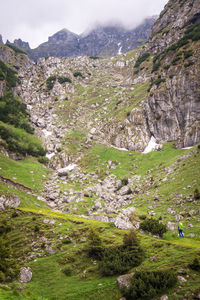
pixel 180 229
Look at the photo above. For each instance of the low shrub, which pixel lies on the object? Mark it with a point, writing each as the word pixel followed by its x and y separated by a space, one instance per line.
pixel 142 217
pixel 156 66
pixel 153 226
pixel 94 57
pixel 130 239
pixel 78 74
pixel 36 228
pixel 120 259
pixel 4 227
pixel 67 271
pixel 63 79
pixel 141 58
pixel 195 265
pixel 188 53
pixel 17 140
pixel 196 194
pixel 190 63
pixel 13 111
pixel 8 265
pixel 16 49
pixel 50 82
pixel 147 285
pixel 8 75
pixel 43 160
pixel 95 247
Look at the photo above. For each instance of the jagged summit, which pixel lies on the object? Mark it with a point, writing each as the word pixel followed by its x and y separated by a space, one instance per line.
pixel 103 40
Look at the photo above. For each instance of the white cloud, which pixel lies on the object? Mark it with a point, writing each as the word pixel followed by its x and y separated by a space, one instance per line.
pixel 34 21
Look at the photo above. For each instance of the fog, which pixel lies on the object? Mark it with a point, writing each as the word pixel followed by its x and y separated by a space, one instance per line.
pixel 34 21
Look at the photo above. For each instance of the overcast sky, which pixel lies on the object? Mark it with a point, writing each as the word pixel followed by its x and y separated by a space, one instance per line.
pixel 35 20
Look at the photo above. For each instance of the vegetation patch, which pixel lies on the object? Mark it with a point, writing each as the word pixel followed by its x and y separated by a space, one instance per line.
pixel 17 140
pixel 50 82
pixel 147 285
pixel 16 49
pixel 8 75
pixel 141 59
pixel 62 79
pixel 153 226
pixel 13 111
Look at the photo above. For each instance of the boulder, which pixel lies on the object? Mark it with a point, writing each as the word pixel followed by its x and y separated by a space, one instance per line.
pixel 65 171
pixel 124 280
pixel 171 226
pixel 25 274
pixel 164 297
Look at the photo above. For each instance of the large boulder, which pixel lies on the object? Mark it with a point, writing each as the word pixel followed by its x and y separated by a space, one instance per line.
pixel 25 274
pixel 65 171
pixel 124 280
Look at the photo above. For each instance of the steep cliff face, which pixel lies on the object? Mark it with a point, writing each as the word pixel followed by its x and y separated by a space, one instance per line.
pixel 173 20
pixel 172 109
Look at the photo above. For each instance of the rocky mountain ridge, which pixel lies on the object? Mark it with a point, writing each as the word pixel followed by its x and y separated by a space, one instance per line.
pixel 100 41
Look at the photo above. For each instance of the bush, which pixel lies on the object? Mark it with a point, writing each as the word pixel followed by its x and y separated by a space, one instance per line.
pixel 43 160
pixel 188 53
pixel 36 228
pixel 63 79
pixel 16 49
pixel 153 226
pixel 8 75
pixel 196 194
pixel 8 266
pixel 94 247
pixel 156 66
pixel 130 239
pixel 142 217
pixel 120 259
pixel 78 74
pixel 67 271
pixel 13 111
pixel 94 57
pixel 17 140
pixel 195 265
pixel 4 227
pixel 141 58
pixel 147 285
pixel 50 82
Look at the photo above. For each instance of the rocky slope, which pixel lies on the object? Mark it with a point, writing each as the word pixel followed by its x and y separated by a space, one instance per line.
pixel 129 101
pixel 101 41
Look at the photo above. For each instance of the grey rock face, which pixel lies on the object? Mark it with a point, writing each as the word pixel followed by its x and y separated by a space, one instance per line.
pixel 1 40
pixel 21 44
pixel 25 274
pixel 101 41
pixel 9 201
pixel 171 23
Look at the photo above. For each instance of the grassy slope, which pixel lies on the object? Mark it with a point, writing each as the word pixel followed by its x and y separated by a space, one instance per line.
pixel 85 281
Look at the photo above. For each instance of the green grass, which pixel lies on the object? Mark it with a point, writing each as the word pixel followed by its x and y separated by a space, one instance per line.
pixel 28 172
pixel 98 156
pixel 49 281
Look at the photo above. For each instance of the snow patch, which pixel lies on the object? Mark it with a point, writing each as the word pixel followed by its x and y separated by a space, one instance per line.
pixel 49 156
pixel 152 146
pixel 120 50
pixel 186 148
pixel 46 132
pixel 121 149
